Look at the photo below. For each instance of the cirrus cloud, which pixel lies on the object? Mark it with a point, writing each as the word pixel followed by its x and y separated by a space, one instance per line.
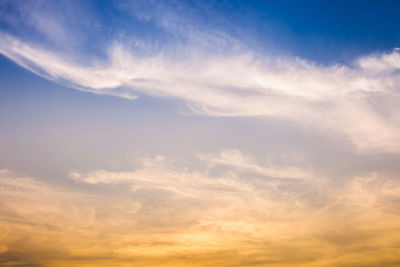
pixel 358 102
pixel 207 67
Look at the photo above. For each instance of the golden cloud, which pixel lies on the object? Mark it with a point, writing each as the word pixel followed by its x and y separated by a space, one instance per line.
pixel 161 215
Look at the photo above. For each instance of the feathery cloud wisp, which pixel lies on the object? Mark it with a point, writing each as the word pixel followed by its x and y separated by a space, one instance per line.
pixel 207 67
pixel 359 102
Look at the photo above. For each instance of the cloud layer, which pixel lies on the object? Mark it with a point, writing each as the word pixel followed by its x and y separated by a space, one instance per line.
pixel 356 101
pixel 207 67
pixel 166 214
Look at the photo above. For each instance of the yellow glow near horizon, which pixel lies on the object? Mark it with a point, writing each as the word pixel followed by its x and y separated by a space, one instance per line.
pixel 49 226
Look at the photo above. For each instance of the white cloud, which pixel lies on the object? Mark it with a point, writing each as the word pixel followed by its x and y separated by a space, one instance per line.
pixel 359 102
pixel 233 164
pixel 236 159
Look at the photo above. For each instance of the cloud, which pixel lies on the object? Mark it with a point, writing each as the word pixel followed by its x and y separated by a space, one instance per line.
pixel 372 189
pixel 216 180
pixel 42 222
pixel 235 158
pixel 215 73
pixel 237 208
pixel 358 102
pixel 200 215
pixel 213 209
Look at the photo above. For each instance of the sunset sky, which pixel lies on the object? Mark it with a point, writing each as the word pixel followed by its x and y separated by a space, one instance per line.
pixel 199 133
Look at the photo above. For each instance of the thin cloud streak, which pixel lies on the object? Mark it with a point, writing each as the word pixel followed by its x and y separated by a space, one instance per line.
pixel 358 102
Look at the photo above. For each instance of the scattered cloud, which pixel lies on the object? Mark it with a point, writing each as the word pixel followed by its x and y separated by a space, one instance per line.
pixel 226 208
pixel 164 211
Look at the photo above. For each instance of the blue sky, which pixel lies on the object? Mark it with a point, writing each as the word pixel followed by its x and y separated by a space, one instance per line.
pixel 199 133
pixel 308 29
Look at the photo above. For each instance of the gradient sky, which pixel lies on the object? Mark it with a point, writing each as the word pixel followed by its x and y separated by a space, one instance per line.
pixel 199 133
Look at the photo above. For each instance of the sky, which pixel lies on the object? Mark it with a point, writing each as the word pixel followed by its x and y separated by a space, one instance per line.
pixel 199 133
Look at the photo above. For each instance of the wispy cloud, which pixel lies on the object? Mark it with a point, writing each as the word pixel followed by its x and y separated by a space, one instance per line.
pixel 164 211
pixel 356 101
pixel 239 161
pixel 223 208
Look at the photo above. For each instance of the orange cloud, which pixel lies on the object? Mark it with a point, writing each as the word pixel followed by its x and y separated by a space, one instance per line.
pixel 160 215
